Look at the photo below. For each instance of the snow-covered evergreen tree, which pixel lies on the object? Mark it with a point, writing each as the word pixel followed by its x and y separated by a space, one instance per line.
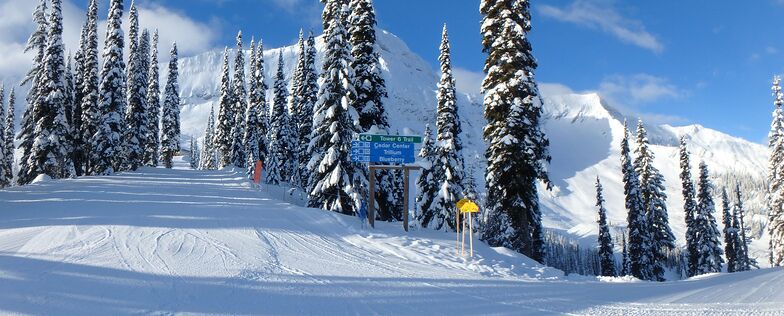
pixel 639 243
pixel 744 261
pixel 607 258
pixel 662 240
pixel 296 97
pixel 240 100
pixel 370 90
pixel 368 83
pixel 5 176
pixel 37 43
pixel 91 113
pixel 134 127
pixel 209 159
pixel 307 102
pixel 69 97
pixel 260 97
pixel 153 117
pixel 427 183
pixel 8 154
pixel 223 132
pixel 730 234
pixel 107 150
pixel 517 147
pixel 776 178
pixel 708 247
pixel 194 156
pixel 170 115
pixel 50 151
pixel 689 208
pixel 626 265
pixel 252 118
pixel 334 176
pixel 281 138
pixel 448 162
pixel 77 141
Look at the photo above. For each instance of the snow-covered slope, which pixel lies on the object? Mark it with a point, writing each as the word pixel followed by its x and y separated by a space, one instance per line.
pixel 584 131
pixel 161 241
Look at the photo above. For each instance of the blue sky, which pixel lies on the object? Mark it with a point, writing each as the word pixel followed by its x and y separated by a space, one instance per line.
pixel 679 62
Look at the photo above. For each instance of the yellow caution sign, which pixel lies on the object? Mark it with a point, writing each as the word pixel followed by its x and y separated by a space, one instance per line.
pixel 467 206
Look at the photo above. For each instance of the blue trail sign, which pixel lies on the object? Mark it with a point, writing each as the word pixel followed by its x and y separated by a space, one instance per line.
pixel 382 152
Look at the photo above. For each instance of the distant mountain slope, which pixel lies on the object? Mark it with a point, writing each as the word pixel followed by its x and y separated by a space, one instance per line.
pixel 584 131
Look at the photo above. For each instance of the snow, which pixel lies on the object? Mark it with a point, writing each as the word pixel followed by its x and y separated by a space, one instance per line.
pixel 584 132
pixel 178 241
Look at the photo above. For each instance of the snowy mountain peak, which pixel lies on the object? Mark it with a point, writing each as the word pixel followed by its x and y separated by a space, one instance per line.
pixel 584 132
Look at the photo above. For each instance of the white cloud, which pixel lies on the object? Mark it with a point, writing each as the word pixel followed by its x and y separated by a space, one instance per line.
pixel 16 25
pixel 597 14
pixel 467 81
pixel 637 89
pixel 192 36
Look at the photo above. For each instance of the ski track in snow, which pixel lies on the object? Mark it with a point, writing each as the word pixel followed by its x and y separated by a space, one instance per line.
pixel 178 241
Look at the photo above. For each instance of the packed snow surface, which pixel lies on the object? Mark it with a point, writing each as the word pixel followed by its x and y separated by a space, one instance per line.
pixel 161 241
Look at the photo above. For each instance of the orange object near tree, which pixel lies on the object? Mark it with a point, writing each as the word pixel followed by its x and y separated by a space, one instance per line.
pixel 257 172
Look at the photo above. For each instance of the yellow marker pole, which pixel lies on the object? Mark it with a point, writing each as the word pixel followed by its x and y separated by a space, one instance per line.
pixel 457 227
pixel 471 234
pixel 462 248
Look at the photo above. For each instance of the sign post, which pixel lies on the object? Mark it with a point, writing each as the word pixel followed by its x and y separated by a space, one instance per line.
pixel 385 152
pixel 466 207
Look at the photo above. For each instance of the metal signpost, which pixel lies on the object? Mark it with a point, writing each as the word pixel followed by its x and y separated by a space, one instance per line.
pixel 385 152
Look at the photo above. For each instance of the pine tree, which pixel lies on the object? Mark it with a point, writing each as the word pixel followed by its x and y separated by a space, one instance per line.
pixel 742 242
pixel 296 97
pixel 5 176
pixel 194 156
pixel 133 134
pixel 240 100
pixel 153 117
pixel 223 134
pixel 730 234
pixel 37 42
pixel 689 208
pixel 170 116
pixel 334 9
pixel 370 90
pixel 369 85
pixel 639 243
pixel 776 178
pixel 261 100
pixel 50 149
pixel 662 240
pixel 708 247
pixel 334 176
pixel 517 147
pixel 208 154
pixel 448 163
pixel 77 140
pixel 252 119
pixel 427 185
pixel 91 113
pixel 9 131
pixel 607 258
pixel 69 97
pixel 626 266
pixel 307 102
pixel 107 149
pixel 306 99
pixel 280 135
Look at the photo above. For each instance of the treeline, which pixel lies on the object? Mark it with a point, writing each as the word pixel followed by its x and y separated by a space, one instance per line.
pixel 83 118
